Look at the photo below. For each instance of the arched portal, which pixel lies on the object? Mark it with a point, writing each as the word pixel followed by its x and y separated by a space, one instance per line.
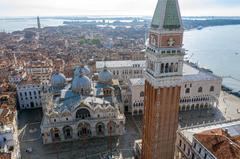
pixel 100 128
pixel 68 131
pixel 206 106
pixel 55 133
pixel 84 130
pixel 183 108
pixel 111 127
pixel 135 112
pixel 197 106
pixel 192 107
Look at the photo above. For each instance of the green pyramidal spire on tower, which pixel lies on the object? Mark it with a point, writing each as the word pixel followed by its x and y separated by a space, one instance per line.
pixel 167 15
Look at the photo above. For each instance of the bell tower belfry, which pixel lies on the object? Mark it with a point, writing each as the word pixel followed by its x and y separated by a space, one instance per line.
pixel 164 68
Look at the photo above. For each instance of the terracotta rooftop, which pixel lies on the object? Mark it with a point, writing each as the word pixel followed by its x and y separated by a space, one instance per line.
pixel 6 115
pixel 220 143
pixel 30 80
pixel 5 156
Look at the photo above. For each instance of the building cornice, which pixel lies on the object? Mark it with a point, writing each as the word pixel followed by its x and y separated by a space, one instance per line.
pixel 163 82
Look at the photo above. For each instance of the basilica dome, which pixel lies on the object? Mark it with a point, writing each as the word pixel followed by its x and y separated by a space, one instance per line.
pixel 81 84
pixel 105 76
pixel 81 70
pixel 58 80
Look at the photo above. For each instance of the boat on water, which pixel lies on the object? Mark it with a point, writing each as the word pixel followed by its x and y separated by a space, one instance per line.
pixel 236 53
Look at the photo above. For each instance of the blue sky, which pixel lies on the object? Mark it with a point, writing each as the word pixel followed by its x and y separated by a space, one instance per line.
pixel 114 7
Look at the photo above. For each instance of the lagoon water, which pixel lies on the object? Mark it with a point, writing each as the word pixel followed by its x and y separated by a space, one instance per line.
pixel 15 24
pixel 215 48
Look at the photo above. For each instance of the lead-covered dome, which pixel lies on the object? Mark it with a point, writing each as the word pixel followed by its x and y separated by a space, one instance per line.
pixel 105 76
pixel 81 70
pixel 81 84
pixel 58 80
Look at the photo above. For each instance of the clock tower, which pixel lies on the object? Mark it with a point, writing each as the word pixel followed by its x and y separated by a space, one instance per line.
pixel 164 68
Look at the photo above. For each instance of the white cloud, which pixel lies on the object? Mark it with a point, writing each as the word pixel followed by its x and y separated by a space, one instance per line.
pixel 109 7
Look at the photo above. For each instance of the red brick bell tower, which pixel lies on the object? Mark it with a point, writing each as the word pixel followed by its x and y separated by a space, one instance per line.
pixel 164 55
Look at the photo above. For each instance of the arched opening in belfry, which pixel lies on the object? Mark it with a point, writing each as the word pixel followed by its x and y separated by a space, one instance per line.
pixel 171 67
pixel 167 68
pixel 162 68
pixel 176 67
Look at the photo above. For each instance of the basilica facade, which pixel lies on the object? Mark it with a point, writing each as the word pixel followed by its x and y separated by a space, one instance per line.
pixel 80 108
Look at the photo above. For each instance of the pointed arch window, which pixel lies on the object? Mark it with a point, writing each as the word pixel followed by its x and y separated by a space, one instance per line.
pixel 187 91
pixel 212 89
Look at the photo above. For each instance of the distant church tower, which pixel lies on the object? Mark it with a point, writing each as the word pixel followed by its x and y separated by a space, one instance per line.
pixel 164 70
pixel 38 23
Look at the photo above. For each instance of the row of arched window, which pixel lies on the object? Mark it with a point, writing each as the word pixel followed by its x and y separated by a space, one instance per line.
pixel 126 72
pixel 107 92
pixel 200 90
pixel 169 67
pixel 138 104
pixel 30 93
pixel 195 100
pixel 140 112
pixel 136 65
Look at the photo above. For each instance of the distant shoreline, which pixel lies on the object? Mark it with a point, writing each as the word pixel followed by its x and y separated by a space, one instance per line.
pixel 20 23
pixel 199 24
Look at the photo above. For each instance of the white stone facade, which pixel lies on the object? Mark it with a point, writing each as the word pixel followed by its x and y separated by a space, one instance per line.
pixel 136 96
pixel 123 70
pixel 40 70
pixel 6 137
pixel 200 94
pixel 199 90
pixel 92 117
pixel 29 96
